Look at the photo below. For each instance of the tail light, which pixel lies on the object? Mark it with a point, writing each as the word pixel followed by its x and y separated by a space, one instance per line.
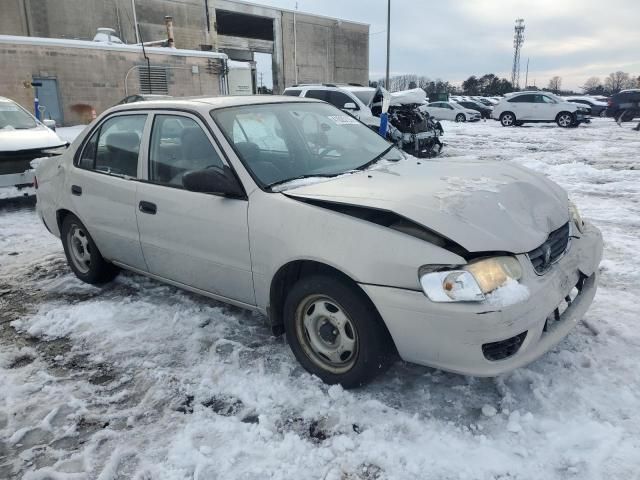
pixel 35 182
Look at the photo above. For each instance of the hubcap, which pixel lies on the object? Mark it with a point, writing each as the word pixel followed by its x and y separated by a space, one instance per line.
pixel 326 333
pixel 507 120
pixel 79 249
pixel 565 120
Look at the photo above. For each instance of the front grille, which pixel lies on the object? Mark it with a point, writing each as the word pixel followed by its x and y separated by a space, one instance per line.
pixel 551 250
pixel 504 348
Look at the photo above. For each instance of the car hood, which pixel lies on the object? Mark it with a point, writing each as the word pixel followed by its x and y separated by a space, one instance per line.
pixel 12 140
pixel 482 206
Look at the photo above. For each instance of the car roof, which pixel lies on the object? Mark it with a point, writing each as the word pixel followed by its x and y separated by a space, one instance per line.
pixel 209 103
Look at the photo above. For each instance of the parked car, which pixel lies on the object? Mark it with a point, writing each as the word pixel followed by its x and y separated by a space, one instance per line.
pixel 627 103
pixel 289 207
pixel 524 107
pixel 596 107
pixel 451 111
pixel 142 97
pixel 485 112
pixel 23 138
pixel 356 100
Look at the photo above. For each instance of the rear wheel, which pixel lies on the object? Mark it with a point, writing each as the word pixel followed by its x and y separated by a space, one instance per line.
pixel 507 119
pixel 461 118
pixel 83 255
pixel 565 119
pixel 335 332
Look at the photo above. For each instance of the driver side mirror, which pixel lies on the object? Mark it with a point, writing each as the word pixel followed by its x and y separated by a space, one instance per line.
pixel 215 180
pixel 350 106
pixel 48 122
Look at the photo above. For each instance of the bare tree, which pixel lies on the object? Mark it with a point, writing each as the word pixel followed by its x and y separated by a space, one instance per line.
pixel 616 81
pixel 593 85
pixel 555 83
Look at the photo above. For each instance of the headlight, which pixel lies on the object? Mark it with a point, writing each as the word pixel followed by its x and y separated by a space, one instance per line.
pixel 575 216
pixel 471 282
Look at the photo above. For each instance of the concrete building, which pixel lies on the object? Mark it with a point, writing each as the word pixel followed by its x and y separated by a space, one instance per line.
pixel 76 79
pixel 304 48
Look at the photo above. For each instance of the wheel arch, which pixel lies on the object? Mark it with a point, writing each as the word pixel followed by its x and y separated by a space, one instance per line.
pixel 288 274
pixel 61 214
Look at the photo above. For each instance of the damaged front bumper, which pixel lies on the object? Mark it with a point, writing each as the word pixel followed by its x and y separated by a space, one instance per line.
pixel 483 340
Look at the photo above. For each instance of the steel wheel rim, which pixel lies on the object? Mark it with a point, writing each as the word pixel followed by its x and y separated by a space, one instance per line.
pixel 79 248
pixel 507 120
pixel 565 120
pixel 326 333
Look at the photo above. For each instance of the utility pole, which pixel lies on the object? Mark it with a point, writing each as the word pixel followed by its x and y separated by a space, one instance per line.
pixel 526 77
pixel 135 20
pixel 295 44
pixel 386 78
pixel 518 40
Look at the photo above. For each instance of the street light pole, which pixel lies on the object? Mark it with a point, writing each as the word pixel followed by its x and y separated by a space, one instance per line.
pixel 386 79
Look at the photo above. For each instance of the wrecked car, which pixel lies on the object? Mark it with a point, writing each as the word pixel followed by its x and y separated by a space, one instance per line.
pixel 352 249
pixel 410 127
pixel 23 138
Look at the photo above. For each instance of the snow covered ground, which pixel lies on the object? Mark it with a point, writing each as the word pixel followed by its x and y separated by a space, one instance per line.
pixel 137 380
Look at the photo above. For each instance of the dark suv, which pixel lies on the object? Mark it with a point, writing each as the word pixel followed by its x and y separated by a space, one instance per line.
pixel 625 103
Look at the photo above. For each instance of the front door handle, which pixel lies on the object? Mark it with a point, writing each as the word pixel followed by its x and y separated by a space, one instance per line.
pixel 148 207
pixel 76 190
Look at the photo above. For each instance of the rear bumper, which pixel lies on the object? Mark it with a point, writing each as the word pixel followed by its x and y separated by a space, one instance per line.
pixel 451 336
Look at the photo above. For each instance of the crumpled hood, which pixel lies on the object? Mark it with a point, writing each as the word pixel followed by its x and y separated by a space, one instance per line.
pixel 12 140
pixel 482 206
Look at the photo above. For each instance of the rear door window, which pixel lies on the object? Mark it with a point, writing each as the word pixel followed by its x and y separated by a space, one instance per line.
pixel 115 146
pixel 179 145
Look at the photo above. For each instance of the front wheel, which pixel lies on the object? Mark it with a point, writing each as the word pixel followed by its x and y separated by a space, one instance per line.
pixel 461 118
pixel 507 119
pixel 603 113
pixel 83 255
pixel 335 332
pixel 565 119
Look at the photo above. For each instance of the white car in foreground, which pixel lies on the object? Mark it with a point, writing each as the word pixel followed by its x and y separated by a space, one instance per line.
pixel 451 111
pixel 535 106
pixel 292 208
pixel 23 138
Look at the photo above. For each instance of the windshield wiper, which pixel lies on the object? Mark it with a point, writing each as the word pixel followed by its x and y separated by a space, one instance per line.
pixel 301 177
pixel 376 158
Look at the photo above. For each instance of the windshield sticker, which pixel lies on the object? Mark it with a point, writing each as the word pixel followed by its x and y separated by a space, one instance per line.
pixel 343 120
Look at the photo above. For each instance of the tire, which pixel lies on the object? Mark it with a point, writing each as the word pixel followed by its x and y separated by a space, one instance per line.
pixel 328 314
pixel 603 113
pixel 461 118
pixel 83 255
pixel 507 119
pixel 565 119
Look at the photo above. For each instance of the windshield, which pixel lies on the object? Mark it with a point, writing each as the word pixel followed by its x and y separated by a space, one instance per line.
pixel 285 141
pixel 14 116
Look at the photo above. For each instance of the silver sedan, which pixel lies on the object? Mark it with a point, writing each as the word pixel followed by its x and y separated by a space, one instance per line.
pixel 354 250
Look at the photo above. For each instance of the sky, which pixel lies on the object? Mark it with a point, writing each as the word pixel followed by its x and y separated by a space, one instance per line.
pixel 453 39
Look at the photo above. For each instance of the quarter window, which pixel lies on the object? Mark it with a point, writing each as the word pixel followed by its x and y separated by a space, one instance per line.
pixel 114 147
pixel 179 145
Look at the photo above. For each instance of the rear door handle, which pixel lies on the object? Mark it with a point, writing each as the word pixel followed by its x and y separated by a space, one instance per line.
pixel 148 207
pixel 76 190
